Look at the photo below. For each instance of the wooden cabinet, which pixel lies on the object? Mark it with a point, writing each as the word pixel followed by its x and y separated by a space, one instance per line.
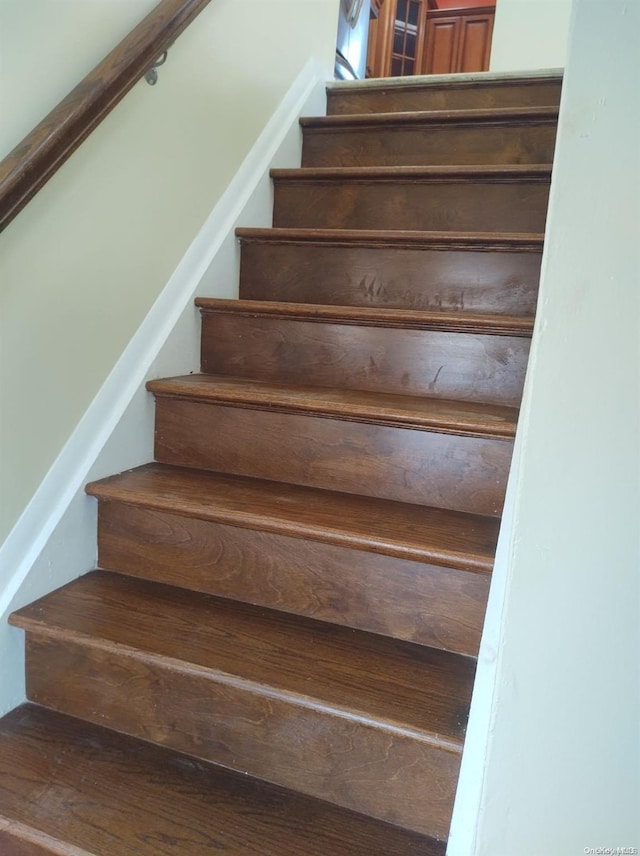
pixel 408 37
pixel 458 40
pixel 377 35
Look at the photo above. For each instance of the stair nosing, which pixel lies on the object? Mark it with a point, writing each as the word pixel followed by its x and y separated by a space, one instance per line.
pixel 374 238
pixel 279 525
pixel 473 80
pixel 494 116
pixel 368 316
pixel 178 387
pixel 479 173
pixel 48 630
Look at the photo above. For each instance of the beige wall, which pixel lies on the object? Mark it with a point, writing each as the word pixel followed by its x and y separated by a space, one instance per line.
pixel 530 34
pixel 47 47
pixel 83 263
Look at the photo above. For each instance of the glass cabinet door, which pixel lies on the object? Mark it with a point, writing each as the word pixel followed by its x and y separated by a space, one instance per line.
pixel 406 37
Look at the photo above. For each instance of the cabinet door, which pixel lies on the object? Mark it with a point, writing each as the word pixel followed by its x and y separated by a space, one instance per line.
pixel 475 42
pixel 457 40
pixel 406 37
pixel 442 45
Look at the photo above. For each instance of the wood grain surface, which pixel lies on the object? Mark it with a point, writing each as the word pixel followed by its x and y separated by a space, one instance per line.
pixel 322 709
pixel 368 316
pixel 124 797
pixel 466 418
pixel 433 605
pixel 505 136
pixel 467 366
pixel 480 117
pixel 380 97
pixel 414 532
pixel 483 274
pixel 402 464
pixel 488 199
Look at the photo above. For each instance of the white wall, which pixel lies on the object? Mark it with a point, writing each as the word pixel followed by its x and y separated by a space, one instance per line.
pixel 530 34
pixel 552 761
pixel 81 266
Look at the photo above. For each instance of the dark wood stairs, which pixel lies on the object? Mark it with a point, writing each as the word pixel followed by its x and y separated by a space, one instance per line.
pixel 278 651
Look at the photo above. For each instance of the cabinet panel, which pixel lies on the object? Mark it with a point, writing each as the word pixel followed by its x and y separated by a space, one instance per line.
pixel 475 42
pixel 442 46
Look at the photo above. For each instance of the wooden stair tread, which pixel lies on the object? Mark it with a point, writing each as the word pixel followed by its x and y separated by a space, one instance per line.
pixel 505 325
pixel 495 115
pixel 455 539
pixel 436 414
pixel 462 91
pixel 73 788
pixel 397 238
pixel 477 173
pixel 397 686
pixel 173 536
pixel 468 80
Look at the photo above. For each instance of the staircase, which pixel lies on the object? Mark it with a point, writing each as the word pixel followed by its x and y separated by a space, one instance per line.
pixel 277 655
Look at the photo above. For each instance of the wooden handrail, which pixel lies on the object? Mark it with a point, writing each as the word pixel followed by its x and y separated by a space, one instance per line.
pixel 33 161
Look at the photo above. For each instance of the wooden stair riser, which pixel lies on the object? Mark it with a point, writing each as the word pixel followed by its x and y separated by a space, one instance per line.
pixel 463 366
pixel 446 96
pixel 490 282
pixel 278 737
pixel 427 204
pixel 438 606
pixel 430 144
pixel 442 470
